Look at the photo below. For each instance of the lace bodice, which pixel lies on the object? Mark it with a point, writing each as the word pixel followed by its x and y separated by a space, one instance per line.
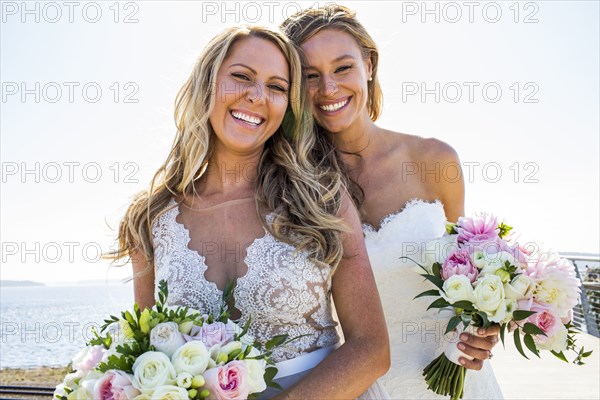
pixel 416 335
pixel 282 292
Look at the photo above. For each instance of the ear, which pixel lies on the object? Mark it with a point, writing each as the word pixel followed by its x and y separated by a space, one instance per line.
pixel 369 67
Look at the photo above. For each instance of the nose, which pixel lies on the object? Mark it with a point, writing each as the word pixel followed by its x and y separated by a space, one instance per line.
pixel 255 93
pixel 328 86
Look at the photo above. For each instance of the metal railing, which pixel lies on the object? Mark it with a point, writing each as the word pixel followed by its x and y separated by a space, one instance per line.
pixel 586 315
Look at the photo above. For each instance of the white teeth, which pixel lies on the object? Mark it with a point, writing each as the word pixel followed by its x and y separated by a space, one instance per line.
pixel 246 118
pixel 334 107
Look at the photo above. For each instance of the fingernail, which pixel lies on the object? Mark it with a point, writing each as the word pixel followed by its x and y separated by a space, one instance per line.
pixel 464 337
pixel 461 346
pixel 462 361
pixel 481 331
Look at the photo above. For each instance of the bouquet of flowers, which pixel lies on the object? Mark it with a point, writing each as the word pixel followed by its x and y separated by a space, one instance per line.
pixel 170 353
pixel 486 278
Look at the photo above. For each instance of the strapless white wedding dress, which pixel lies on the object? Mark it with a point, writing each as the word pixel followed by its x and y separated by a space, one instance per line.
pixel 416 335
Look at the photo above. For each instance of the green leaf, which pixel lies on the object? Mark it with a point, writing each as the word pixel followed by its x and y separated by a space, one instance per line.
pixel 437 269
pixel 466 319
pixel 270 373
pixel 522 314
pixel 560 355
pixel 276 341
pixel 517 337
pixel 502 331
pixel 464 304
pixel 533 329
pixel 434 279
pixel 439 303
pixel 485 322
pixel 530 343
pixel 587 353
pixel 432 292
pixel 452 324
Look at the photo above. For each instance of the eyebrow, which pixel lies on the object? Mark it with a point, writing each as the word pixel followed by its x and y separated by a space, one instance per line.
pixel 254 72
pixel 340 58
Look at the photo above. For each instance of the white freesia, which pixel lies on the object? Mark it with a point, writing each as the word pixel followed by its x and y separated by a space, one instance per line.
pixel 81 393
pixel 85 390
pixel 184 380
pixel 511 306
pixel 192 357
pixel 169 392
pixel 521 287
pixel 231 347
pixel 70 378
pixel 457 288
pixel 490 262
pixel 165 337
pixel 151 370
pixel 489 297
pixel 438 250
pixel 256 375
pixel 186 327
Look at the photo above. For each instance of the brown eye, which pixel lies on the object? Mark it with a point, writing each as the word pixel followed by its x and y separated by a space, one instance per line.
pixel 240 76
pixel 344 68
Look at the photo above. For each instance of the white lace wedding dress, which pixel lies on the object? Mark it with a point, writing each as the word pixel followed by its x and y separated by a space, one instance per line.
pixel 282 292
pixel 416 335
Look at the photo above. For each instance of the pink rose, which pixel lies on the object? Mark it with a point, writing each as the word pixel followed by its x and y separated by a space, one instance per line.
pixel 115 385
pixel 88 358
pixel 480 228
pixel 548 321
pixel 459 263
pixel 229 381
pixel 211 334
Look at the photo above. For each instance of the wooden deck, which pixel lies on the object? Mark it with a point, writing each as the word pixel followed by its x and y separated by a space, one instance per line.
pixel 548 377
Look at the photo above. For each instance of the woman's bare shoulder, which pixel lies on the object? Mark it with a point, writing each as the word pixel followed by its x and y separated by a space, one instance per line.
pixel 420 149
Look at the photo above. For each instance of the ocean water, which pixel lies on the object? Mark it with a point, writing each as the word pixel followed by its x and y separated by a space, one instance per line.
pixel 48 325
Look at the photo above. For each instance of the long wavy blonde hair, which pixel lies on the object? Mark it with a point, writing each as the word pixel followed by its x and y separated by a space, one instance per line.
pixel 304 24
pixel 297 173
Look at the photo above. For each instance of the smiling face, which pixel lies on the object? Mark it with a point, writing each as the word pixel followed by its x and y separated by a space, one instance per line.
pixel 251 96
pixel 337 76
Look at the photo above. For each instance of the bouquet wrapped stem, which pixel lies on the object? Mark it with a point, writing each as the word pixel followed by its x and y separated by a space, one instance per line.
pixel 481 274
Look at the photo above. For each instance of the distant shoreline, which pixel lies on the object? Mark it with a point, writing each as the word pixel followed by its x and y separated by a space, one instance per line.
pixel 41 376
pixel 8 283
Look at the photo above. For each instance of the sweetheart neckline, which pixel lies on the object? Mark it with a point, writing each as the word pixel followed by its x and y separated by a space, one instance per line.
pixel 386 219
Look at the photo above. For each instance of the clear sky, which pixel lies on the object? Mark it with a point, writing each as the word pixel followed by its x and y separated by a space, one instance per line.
pixel 87 111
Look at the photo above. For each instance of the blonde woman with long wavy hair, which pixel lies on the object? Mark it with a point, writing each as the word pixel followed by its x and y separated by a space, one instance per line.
pixel 250 194
pixel 403 202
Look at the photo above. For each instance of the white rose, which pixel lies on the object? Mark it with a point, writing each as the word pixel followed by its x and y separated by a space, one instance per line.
pixel 151 370
pixel 192 357
pixel 438 250
pixel 457 288
pixel 169 392
pixel 184 380
pixel 88 358
pixel 520 288
pixel 256 375
pixel 166 337
pixel 558 342
pixel 489 297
